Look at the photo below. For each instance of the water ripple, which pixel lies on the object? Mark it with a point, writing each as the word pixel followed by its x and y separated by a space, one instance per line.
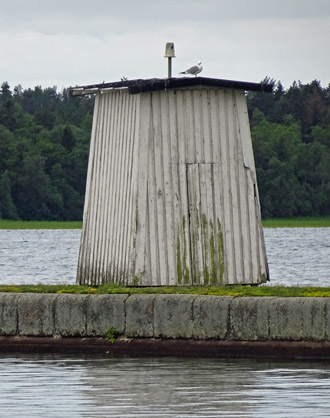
pixel 296 256
pixel 57 386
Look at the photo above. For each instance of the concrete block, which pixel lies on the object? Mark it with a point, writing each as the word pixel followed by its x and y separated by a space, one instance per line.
pixel 8 313
pixel 327 318
pixel 36 314
pixel 104 311
pixel 211 316
pixel 71 315
pixel 173 316
pixel 297 319
pixel 249 318
pixel 140 316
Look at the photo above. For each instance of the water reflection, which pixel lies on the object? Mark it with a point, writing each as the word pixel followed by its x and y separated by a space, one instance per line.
pixel 62 386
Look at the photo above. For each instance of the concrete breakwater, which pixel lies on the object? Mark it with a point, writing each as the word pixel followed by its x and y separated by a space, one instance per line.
pixel 166 317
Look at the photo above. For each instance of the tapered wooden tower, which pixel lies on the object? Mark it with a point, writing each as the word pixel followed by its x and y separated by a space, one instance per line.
pixel 171 196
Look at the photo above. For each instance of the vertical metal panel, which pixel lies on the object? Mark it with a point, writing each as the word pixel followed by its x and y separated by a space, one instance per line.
pixel 171 192
pixel 84 253
pixel 108 226
pixel 258 260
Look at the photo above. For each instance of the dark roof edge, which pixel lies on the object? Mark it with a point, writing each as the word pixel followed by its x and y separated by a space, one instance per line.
pixel 154 84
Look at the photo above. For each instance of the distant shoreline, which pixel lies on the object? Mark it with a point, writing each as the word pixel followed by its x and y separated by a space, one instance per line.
pixel 308 222
pixel 8 224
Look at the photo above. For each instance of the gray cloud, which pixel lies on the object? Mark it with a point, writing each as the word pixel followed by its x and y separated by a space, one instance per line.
pixel 156 10
pixel 79 42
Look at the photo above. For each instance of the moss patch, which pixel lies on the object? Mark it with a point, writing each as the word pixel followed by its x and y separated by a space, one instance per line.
pixel 229 290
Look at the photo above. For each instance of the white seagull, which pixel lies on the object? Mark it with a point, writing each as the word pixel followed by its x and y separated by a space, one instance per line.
pixel 194 70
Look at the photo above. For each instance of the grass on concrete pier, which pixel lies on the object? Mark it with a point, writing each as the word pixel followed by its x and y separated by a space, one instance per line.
pixel 262 290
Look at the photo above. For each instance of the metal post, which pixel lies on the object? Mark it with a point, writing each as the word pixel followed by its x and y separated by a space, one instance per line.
pixel 169 54
pixel 169 67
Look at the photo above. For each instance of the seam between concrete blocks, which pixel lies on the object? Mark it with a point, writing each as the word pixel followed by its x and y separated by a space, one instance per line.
pixel 86 297
pixel 17 315
pixel 192 317
pixel 85 312
pixel 268 319
pixel 153 315
pixel 228 331
pixel 56 333
pixel 325 318
pixel 125 315
pixel 54 315
pixel 325 313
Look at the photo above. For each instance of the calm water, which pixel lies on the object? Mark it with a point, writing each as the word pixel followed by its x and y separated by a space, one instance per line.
pixel 57 386
pixel 39 256
pixel 102 386
pixel 296 256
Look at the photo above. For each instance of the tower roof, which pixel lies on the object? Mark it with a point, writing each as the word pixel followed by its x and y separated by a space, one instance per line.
pixel 155 84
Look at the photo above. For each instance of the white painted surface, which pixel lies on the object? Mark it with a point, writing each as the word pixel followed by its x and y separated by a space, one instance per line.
pixel 171 194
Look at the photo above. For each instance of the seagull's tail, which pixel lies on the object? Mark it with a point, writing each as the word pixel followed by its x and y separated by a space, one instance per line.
pixel 183 72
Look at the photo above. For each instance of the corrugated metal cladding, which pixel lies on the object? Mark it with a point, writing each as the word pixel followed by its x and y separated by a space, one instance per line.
pixel 172 195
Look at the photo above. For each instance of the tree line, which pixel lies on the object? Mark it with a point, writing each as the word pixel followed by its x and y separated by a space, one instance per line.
pixel 45 134
pixel 44 142
pixel 291 140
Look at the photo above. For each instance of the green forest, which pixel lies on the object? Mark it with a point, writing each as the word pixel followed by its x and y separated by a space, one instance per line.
pixel 44 143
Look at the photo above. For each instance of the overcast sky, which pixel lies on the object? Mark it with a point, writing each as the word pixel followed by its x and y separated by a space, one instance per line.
pixel 76 42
